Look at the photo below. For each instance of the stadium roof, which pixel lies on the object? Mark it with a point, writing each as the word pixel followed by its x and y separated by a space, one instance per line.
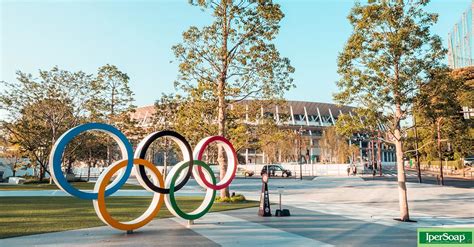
pixel 300 112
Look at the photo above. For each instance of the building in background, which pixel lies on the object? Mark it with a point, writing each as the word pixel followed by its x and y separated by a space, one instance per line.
pixel 461 51
pixel 461 41
pixel 308 119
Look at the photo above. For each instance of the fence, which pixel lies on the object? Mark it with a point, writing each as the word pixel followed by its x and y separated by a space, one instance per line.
pixel 315 169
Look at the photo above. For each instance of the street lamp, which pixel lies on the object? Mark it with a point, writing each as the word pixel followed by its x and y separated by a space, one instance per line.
pixel 300 132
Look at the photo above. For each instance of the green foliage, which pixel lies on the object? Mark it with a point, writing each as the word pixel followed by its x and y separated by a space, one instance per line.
pixel 451 164
pixel 334 147
pixel 239 198
pixel 42 108
pixel 195 119
pixel 235 49
pixel 387 57
pixel 230 60
pixel 439 103
pixel 113 92
pixel 466 97
pixel 275 142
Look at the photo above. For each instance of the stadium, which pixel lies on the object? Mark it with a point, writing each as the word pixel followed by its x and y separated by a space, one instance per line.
pixel 308 119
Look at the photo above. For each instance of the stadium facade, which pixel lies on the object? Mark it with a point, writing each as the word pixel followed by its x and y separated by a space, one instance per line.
pixel 461 41
pixel 308 119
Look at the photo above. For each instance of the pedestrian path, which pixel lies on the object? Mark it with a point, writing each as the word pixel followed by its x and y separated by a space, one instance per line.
pixel 363 211
pixel 232 231
pixel 163 232
pixel 234 228
pixel 394 174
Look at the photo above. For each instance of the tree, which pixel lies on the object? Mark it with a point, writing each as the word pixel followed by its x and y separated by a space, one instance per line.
pixel 92 150
pixel 233 57
pixel 439 109
pixel 44 107
pixel 14 157
pixel 465 142
pixel 41 109
pixel 387 56
pixel 195 118
pixel 113 100
pixel 466 97
pixel 334 147
pixel 276 143
pixel 114 93
pixel 165 118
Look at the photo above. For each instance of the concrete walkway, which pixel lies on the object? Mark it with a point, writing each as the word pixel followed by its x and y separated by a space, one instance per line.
pixel 235 228
pixel 325 212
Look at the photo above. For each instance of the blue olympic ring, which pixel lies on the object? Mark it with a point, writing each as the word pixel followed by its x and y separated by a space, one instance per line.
pixel 58 150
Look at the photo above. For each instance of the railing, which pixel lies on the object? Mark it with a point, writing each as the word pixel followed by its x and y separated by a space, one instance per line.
pixel 317 169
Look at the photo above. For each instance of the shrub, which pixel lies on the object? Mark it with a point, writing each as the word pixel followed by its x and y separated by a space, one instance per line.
pixel 233 199
pixel 34 180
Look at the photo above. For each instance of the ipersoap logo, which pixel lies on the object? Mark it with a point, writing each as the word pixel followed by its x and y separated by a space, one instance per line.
pixel 164 191
pixel 445 237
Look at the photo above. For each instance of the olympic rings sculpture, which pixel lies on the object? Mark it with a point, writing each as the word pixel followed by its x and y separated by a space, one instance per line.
pixel 163 190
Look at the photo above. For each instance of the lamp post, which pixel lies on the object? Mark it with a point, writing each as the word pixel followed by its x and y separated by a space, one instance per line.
pixel 379 153
pixel 300 131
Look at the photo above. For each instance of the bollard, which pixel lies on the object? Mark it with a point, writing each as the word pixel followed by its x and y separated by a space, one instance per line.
pixel 190 223
pixel 264 209
pixel 281 212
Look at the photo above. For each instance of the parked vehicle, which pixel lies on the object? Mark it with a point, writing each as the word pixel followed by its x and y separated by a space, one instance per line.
pixel 244 172
pixel 276 170
pixel 469 160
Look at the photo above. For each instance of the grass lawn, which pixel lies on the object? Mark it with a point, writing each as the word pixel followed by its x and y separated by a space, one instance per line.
pixel 47 186
pixel 33 215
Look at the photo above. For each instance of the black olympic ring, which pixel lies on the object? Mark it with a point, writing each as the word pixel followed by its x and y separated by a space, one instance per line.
pixel 145 144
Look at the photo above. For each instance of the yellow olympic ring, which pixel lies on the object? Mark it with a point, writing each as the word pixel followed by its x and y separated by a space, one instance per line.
pixel 147 216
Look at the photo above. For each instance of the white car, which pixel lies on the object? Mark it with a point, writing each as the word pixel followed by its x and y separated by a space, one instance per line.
pixel 469 161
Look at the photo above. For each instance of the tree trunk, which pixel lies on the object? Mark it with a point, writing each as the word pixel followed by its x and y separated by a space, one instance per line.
pixel 221 97
pixel 402 189
pixel 88 172
pixel 441 177
pixel 41 173
pixel 417 155
pixel 53 141
pixel 110 121
pixel 221 119
pixel 89 164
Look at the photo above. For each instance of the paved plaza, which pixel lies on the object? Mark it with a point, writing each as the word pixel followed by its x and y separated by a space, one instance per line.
pixel 326 211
